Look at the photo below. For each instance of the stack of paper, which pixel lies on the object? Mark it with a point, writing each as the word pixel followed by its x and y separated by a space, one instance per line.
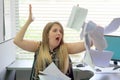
pixel 53 73
pixel 97 57
pixel 92 32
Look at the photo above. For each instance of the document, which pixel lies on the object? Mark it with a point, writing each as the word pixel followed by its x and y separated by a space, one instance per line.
pixel 87 57
pixel 53 73
pixel 101 58
pixel 77 18
pixel 112 26
pixel 97 57
pixel 95 34
pixel 88 60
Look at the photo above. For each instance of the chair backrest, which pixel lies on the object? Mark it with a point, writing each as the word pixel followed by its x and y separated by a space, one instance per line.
pixel 33 68
pixel 70 71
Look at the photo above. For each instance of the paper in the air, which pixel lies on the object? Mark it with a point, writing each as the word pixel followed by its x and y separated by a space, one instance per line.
pixel 77 18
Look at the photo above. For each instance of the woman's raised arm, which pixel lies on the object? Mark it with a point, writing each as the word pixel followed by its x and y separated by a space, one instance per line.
pixel 19 40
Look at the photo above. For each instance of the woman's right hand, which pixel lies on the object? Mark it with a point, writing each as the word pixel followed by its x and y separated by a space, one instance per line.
pixel 30 18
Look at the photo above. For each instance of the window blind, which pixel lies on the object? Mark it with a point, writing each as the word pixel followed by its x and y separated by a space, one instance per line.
pixel 100 11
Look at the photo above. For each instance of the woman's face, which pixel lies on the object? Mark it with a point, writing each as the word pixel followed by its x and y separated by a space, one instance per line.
pixel 55 36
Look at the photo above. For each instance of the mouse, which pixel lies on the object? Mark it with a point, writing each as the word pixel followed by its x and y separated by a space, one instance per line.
pixel 98 70
pixel 80 65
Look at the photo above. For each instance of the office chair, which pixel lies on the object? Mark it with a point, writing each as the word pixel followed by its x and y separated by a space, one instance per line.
pixel 82 74
pixel 76 74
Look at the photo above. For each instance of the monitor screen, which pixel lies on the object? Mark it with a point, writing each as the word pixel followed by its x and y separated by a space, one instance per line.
pixel 113 43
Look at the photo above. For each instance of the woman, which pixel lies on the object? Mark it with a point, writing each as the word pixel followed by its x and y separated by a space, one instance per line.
pixel 51 49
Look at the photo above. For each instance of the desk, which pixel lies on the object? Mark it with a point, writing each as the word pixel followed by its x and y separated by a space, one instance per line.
pixel 22 69
pixel 20 65
pixel 104 75
pixel 107 74
pixel 24 66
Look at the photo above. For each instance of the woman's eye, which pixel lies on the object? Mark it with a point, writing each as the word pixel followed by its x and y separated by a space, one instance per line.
pixel 61 31
pixel 55 30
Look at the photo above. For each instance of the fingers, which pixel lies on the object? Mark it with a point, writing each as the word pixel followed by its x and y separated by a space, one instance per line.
pixel 30 13
pixel 30 8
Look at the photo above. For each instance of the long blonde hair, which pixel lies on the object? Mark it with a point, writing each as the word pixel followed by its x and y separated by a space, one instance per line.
pixel 44 58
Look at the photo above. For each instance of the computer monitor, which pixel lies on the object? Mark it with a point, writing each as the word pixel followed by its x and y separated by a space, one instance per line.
pixel 113 43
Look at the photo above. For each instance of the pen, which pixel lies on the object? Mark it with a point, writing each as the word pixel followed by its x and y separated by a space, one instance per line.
pixel 116 67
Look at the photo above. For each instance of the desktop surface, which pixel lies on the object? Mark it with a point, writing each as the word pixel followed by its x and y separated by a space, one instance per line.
pixel 27 65
pixel 102 73
pixel 20 65
pixel 106 76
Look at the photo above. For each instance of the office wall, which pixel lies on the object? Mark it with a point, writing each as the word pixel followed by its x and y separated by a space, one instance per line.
pixel 7 48
pixel 1 21
pixel 7 56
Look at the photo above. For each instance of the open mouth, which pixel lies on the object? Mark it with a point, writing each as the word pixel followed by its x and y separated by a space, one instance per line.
pixel 57 38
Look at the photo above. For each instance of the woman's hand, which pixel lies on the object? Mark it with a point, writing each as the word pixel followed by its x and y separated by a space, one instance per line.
pixel 30 18
pixel 19 40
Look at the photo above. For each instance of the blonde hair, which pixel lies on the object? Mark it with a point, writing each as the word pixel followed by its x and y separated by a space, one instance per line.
pixel 44 58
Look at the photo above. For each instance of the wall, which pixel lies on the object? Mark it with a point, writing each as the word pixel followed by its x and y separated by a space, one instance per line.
pixel 7 56
pixel 7 48
pixel 1 21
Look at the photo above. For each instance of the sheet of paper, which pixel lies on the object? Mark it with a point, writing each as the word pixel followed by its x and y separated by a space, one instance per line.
pixel 88 60
pixel 113 26
pixel 53 73
pixel 87 57
pixel 77 18
pixel 101 58
pixel 96 34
